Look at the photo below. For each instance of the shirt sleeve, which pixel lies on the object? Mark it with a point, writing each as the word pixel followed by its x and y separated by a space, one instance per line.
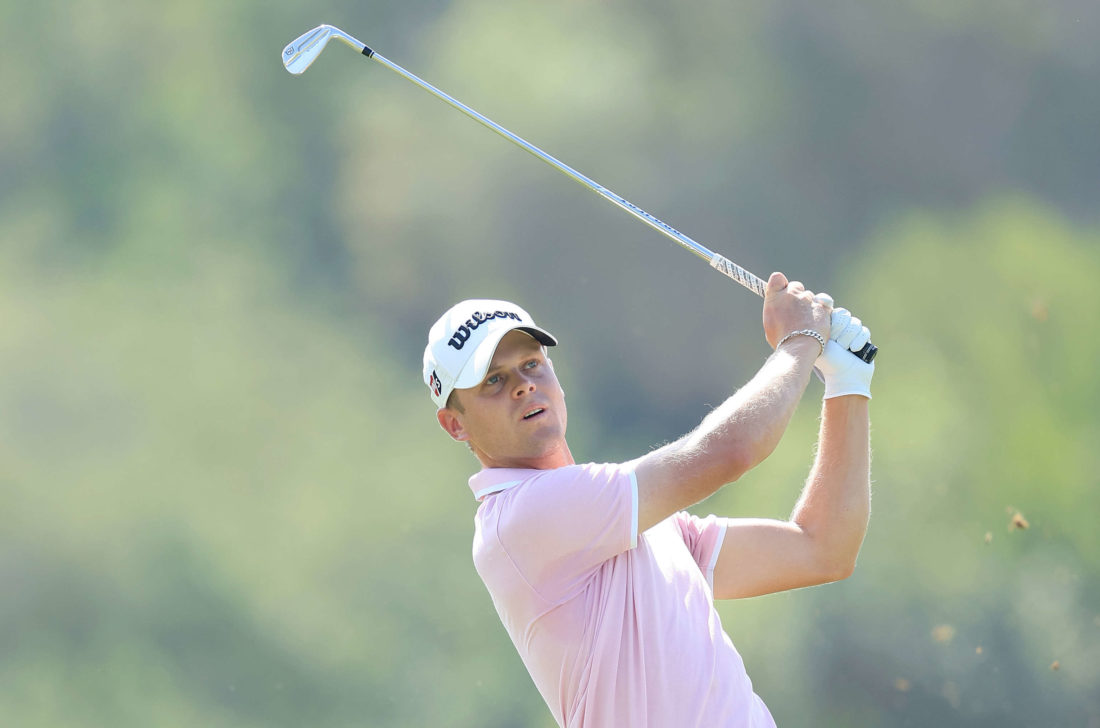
pixel 703 537
pixel 564 524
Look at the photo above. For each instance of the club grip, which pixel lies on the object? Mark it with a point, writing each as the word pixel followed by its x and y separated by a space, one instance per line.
pixel 867 353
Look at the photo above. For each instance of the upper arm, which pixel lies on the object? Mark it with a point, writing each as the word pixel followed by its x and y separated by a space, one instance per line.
pixel 676 476
pixel 761 556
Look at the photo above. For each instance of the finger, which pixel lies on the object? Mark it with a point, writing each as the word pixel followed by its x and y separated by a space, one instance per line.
pixel 796 287
pixel 776 283
pixel 850 332
pixel 861 339
pixel 824 299
pixel 840 319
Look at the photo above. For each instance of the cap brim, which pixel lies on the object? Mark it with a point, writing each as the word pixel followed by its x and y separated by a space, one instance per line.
pixel 478 364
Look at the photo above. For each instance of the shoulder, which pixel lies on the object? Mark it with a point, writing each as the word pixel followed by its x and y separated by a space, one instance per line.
pixel 564 495
pixel 576 477
pixel 562 498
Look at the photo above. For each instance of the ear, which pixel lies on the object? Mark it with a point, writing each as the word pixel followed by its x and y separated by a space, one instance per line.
pixel 451 422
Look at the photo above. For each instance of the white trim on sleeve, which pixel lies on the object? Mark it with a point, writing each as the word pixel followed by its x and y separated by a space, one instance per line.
pixel 714 557
pixel 633 510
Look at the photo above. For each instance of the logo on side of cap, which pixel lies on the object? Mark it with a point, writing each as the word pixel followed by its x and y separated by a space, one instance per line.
pixel 435 384
pixel 462 333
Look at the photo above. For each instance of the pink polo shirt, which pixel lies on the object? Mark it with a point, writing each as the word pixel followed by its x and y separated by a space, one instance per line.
pixel 618 629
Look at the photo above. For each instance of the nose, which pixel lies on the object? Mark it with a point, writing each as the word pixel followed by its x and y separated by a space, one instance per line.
pixel 524 385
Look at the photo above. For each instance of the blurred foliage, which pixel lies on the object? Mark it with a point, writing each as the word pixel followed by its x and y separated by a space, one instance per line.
pixel 223 498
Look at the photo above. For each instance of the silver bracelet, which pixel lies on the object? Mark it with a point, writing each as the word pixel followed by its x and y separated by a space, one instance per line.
pixel 803 332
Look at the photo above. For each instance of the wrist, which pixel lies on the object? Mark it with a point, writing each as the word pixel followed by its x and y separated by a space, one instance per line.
pixel 806 340
pixel 851 400
pixel 840 410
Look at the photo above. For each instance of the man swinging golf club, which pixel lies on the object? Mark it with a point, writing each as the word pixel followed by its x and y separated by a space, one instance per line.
pixel 604 583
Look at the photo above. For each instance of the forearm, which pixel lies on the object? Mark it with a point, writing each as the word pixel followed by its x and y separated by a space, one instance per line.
pixel 835 504
pixel 746 428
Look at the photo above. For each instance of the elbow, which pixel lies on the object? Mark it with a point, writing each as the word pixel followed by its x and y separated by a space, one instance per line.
pixel 749 455
pixel 834 560
pixel 702 474
pixel 736 467
pixel 840 570
pixel 743 459
pixel 837 566
pixel 835 549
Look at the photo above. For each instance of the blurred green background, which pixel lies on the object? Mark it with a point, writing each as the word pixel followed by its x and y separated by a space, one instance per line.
pixel 224 500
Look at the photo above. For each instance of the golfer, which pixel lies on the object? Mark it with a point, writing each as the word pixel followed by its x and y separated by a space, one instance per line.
pixel 604 583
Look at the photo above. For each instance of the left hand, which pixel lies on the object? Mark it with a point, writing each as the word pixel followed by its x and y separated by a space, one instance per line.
pixel 842 372
pixel 848 331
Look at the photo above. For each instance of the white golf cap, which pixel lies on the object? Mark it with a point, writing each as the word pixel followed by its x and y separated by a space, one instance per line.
pixel 462 342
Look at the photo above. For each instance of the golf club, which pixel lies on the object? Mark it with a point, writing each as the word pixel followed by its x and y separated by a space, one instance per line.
pixel 304 50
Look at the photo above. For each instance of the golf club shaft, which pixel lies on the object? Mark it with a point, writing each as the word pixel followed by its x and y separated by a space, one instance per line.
pixel 734 271
pixel 718 262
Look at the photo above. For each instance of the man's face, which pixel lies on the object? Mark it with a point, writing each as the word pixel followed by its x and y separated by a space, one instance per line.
pixel 516 416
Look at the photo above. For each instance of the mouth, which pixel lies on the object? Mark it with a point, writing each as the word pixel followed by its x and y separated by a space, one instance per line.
pixel 533 413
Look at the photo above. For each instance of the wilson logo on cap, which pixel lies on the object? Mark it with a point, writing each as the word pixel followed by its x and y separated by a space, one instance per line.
pixel 460 336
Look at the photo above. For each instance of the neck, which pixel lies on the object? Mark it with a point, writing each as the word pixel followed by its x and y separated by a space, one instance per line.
pixel 559 457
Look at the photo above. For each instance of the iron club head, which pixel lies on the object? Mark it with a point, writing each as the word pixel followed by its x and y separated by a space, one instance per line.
pixel 303 50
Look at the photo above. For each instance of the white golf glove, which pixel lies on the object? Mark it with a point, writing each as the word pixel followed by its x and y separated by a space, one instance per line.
pixel 842 372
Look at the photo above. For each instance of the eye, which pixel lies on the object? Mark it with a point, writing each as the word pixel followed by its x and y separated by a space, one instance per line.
pixel 494 379
pixel 531 364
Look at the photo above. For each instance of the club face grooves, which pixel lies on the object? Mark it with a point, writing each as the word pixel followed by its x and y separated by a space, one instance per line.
pixel 303 51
